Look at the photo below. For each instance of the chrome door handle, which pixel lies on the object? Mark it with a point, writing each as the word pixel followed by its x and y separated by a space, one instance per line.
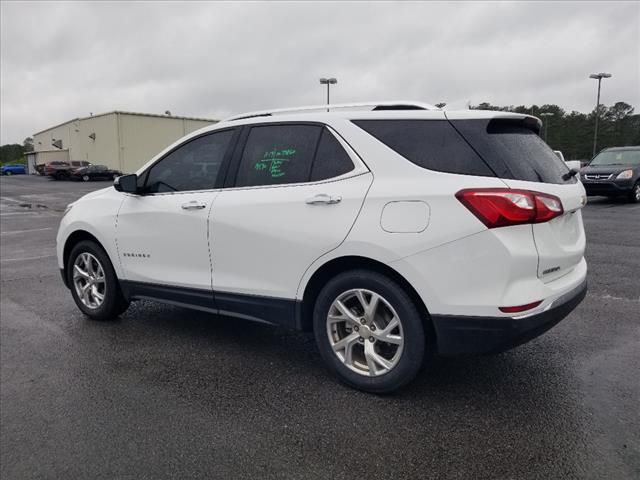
pixel 194 205
pixel 323 198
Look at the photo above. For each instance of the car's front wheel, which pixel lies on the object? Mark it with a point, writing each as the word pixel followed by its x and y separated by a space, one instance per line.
pixel 8 173
pixel 85 178
pixel 369 331
pixel 93 282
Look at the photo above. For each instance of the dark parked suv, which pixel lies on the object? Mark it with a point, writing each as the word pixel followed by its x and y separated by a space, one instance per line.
pixel 614 172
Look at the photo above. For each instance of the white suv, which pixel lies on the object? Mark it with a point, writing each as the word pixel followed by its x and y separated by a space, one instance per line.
pixel 391 230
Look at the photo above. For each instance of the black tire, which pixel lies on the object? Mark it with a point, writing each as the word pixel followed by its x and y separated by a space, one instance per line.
pixel 634 196
pixel 114 302
pixel 413 352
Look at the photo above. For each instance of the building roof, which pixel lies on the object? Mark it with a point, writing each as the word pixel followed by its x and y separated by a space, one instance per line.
pixel 120 112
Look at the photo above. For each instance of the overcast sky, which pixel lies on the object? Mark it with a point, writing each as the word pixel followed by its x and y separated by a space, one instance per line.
pixel 62 60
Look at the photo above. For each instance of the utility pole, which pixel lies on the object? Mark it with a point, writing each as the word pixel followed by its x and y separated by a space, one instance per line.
pixel 599 77
pixel 328 82
pixel 546 116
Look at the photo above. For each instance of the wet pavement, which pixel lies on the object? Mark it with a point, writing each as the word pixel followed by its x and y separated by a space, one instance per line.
pixel 166 392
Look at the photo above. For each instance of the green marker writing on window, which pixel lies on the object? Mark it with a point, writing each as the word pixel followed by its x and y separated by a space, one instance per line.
pixel 275 153
pixel 272 161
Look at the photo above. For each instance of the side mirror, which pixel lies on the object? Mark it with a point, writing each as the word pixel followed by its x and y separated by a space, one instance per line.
pixel 126 183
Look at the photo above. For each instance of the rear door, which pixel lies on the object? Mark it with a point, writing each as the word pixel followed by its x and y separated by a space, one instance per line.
pixel 296 191
pixel 515 152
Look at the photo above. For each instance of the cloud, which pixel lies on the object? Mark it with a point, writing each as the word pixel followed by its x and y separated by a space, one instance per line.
pixel 64 60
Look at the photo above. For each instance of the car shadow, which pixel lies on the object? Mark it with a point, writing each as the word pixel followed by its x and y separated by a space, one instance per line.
pixel 608 201
pixel 528 371
pixel 278 377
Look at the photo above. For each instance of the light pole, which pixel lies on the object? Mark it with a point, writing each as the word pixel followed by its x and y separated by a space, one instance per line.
pixel 546 123
pixel 328 82
pixel 599 77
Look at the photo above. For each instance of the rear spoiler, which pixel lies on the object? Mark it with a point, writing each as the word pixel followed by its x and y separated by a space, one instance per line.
pixel 496 117
pixel 530 123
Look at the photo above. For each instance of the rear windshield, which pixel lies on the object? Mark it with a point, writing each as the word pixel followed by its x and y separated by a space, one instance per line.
pixel 513 151
pixel 494 148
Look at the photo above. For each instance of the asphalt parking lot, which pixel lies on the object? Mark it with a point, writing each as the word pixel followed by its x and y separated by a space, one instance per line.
pixel 168 392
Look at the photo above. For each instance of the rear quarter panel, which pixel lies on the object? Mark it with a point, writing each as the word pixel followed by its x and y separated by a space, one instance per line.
pixel 395 180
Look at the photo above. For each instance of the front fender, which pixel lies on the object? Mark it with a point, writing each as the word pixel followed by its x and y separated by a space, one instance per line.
pixel 96 216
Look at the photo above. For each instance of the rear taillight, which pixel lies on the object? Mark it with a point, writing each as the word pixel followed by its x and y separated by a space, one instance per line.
pixel 502 207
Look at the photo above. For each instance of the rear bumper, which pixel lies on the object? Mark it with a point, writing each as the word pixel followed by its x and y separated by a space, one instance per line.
pixel 621 187
pixel 459 335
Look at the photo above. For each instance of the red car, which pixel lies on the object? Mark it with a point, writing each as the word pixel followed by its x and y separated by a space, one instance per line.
pixel 94 172
pixel 57 170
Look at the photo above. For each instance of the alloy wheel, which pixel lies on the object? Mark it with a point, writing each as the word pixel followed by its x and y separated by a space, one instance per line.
pixel 365 332
pixel 89 280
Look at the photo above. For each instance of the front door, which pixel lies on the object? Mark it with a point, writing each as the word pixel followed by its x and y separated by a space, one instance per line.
pixel 163 234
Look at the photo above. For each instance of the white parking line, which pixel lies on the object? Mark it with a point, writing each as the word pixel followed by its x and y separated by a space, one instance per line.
pixel 25 258
pixel 26 231
pixel 42 213
pixel 9 199
pixel 6 214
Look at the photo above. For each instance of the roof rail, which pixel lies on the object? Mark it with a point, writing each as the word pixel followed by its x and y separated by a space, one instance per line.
pixel 387 105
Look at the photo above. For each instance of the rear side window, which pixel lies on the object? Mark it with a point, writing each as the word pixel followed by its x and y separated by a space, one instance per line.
pixel 431 144
pixel 278 154
pixel 513 150
pixel 331 159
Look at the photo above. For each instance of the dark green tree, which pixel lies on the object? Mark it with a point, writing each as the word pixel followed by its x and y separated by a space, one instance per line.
pixel 27 144
pixel 11 153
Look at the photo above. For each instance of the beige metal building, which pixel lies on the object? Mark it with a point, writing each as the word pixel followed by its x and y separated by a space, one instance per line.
pixel 120 140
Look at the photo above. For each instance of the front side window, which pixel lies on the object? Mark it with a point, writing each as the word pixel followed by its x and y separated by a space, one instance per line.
pixel 192 166
pixel 278 154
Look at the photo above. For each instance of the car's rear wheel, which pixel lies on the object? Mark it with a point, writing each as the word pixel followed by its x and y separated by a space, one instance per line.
pixel 634 196
pixel 85 178
pixel 8 173
pixel 93 282
pixel 369 331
